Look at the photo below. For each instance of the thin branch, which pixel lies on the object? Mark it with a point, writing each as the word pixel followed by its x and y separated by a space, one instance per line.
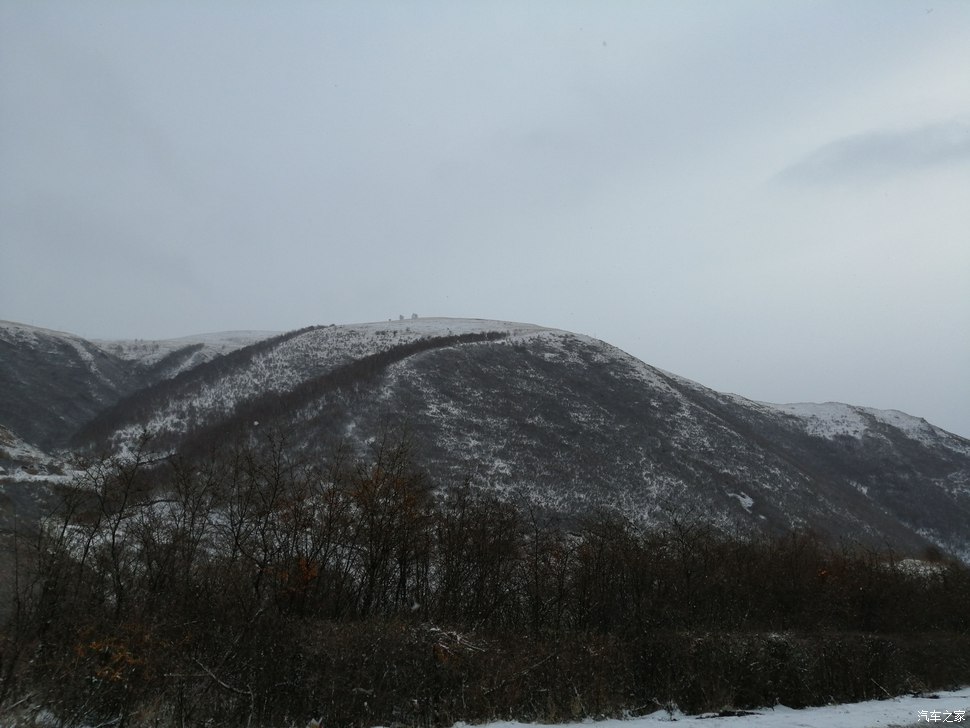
pixel 230 688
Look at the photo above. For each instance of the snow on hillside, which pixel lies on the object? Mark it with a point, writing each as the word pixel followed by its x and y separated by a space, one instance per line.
pixel 32 335
pixel 915 427
pixel 312 354
pixel 948 707
pixel 834 419
pixel 828 420
pixel 148 351
pixel 614 356
pixel 21 462
pixel 46 340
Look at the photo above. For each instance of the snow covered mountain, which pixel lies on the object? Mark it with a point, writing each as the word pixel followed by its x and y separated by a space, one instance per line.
pixel 169 357
pixel 53 382
pixel 557 419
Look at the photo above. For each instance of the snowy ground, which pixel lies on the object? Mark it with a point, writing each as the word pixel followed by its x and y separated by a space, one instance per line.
pixel 946 708
pixel 903 712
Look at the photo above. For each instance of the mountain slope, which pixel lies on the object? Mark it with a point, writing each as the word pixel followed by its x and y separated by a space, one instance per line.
pixel 54 382
pixel 164 359
pixel 565 422
pixel 571 423
pixel 211 392
pixel 577 423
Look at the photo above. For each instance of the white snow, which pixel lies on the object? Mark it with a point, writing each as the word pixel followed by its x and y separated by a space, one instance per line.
pixel 14 448
pixel 864 489
pixel 744 499
pixel 148 351
pixel 835 419
pixel 31 334
pixel 828 420
pixel 309 354
pixel 915 428
pixel 21 462
pixel 144 351
pixel 902 711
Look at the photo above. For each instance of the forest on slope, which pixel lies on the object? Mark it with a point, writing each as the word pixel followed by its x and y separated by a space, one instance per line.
pixel 256 585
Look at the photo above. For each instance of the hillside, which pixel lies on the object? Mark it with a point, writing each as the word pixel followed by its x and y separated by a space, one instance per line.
pixel 168 357
pixel 54 382
pixel 544 416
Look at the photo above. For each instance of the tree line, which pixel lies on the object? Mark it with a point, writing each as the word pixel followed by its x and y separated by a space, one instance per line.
pixel 254 586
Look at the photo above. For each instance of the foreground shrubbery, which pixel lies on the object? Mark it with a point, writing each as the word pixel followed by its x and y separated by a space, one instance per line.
pixel 256 589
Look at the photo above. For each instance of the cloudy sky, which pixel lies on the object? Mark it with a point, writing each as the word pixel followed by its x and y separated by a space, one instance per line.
pixel 771 198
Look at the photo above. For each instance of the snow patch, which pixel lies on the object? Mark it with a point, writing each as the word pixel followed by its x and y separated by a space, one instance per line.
pixel 21 462
pixel 828 420
pixel 31 334
pixel 744 499
pixel 916 428
pixel 835 419
pixel 901 711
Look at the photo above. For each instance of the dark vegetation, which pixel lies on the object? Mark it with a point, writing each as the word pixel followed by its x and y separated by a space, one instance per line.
pixel 55 374
pixel 268 406
pixel 361 373
pixel 170 362
pixel 144 402
pixel 254 588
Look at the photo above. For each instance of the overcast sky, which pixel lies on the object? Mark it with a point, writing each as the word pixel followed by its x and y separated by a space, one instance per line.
pixel 771 198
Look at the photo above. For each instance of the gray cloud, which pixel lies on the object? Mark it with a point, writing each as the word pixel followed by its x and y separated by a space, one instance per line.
pixel 883 153
pixel 169 168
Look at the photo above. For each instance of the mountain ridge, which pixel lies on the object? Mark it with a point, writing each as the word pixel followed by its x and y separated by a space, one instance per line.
pixel 546 416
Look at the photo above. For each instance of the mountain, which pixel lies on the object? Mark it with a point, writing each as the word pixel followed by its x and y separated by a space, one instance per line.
pixel 54 382
pixel 169 357
pixel 539 415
